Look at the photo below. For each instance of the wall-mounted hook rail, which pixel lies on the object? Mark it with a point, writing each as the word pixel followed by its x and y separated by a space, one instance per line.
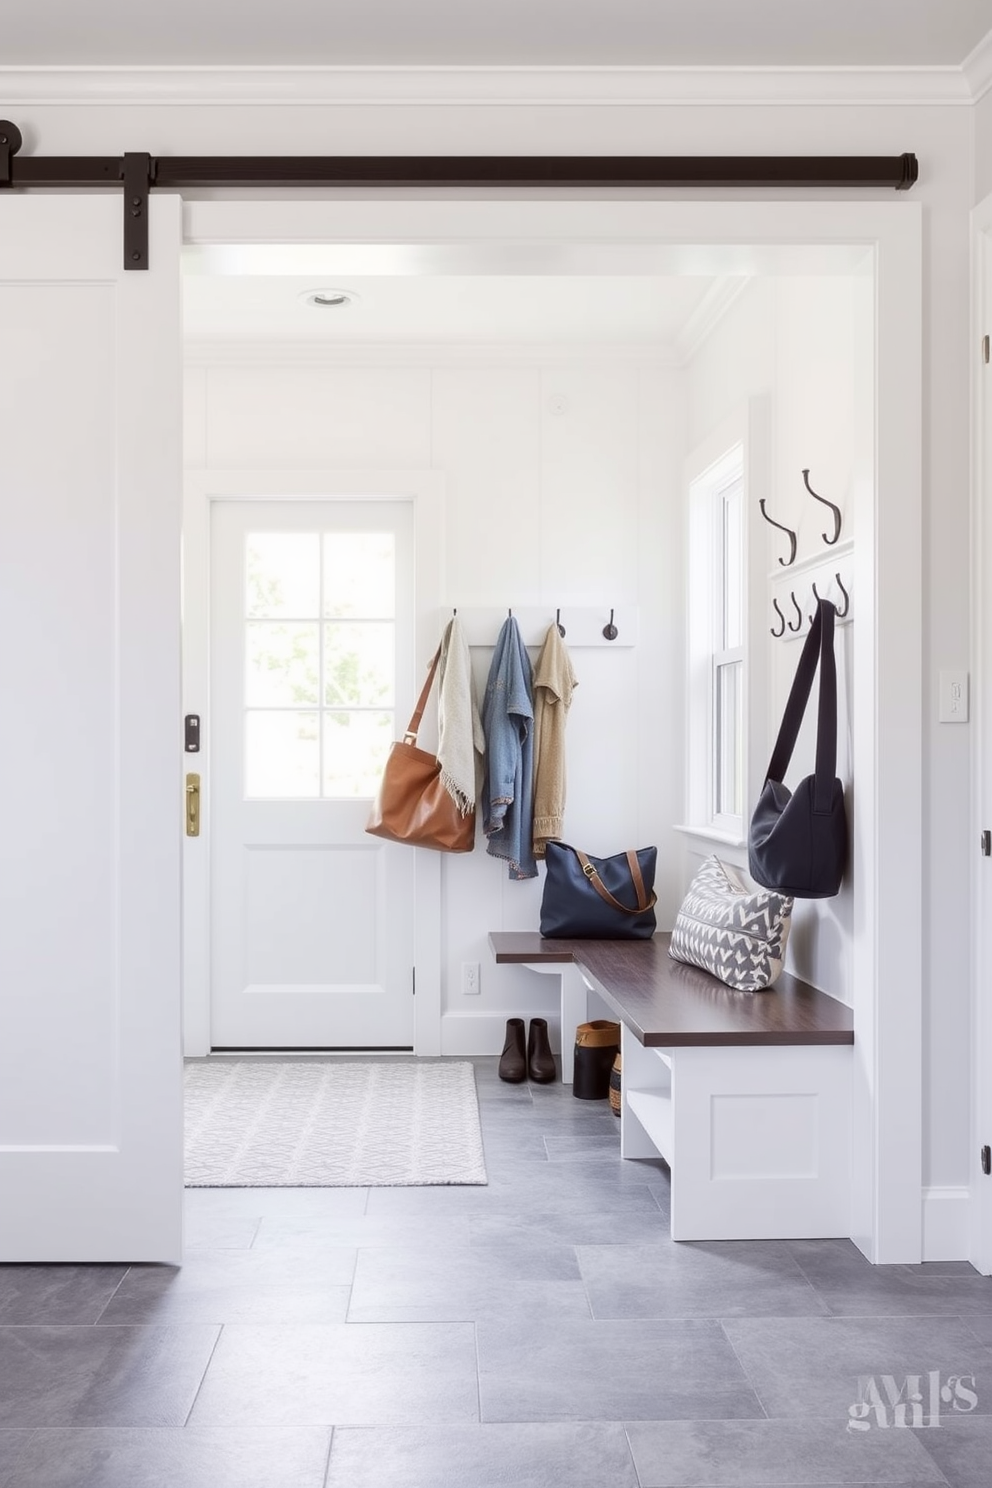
pixel 823 578
pixel 481 624
pixel 835 509
pixel 610 631
pixel 785 562
pixel 561 628
pixel 799 614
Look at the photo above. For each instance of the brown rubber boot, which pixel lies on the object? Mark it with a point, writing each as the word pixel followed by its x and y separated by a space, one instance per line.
pixel 513 1060
pixel 540 1060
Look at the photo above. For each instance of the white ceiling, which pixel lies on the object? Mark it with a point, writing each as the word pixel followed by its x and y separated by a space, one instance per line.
pixel 497 293
pixel 455 309
pixel 458 33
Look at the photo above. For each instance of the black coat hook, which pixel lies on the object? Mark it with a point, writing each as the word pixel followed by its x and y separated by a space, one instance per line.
pixel 799 614
pixel 847 598
pixel 773 631
pixel 816 601
pixel 610 631
pixel 785 562
pixel 835 509
pixel 819 601
pixel 561 628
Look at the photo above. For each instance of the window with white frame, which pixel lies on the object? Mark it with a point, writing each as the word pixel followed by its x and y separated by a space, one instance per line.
pixel 717 654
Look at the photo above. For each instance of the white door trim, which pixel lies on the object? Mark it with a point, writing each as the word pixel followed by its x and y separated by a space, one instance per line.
pixel 754 237
pixel 980 1227
pixel 425 488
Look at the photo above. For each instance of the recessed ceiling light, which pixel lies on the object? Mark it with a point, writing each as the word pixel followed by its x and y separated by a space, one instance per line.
pixel 329 299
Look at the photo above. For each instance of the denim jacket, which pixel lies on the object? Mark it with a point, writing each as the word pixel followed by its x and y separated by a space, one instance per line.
pixel 508 722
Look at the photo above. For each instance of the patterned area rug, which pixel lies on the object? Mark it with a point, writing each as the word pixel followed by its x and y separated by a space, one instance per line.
pixel 310 1124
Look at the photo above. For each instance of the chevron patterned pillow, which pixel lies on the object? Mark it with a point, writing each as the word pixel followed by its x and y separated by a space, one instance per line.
pixel 736 934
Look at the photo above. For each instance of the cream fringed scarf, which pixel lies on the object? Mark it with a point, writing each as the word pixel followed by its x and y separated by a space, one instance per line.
pixel 459 726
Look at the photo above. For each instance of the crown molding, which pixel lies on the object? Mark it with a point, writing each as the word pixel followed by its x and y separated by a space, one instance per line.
pixel 259 351
pixel 708 313
pixel 494 87
pixel 977 68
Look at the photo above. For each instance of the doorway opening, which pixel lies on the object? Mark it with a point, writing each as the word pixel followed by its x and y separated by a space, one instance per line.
pixel 548 388
pixel 559 408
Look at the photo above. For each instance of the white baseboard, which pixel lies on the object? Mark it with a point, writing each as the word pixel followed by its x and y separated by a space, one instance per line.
pixel 483 1033
pixel 946 1224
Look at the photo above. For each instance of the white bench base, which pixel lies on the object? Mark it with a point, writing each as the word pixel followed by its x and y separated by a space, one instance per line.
pixel 758 1138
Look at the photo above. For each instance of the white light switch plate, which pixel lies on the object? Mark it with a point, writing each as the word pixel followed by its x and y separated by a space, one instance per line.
pixel 953 706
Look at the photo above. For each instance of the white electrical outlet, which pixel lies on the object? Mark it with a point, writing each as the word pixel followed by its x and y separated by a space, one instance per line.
pixel 470 978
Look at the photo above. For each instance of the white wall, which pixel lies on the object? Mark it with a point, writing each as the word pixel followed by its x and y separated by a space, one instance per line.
pixel 564 116
pixel 792 342
pixel 544 508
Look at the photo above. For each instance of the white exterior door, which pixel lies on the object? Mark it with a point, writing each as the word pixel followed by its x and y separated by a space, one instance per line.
pixel 312 645
pixel 90 500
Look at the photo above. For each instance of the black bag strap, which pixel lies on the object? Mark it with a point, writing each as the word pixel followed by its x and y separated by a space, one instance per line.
pixel 819 646
pixel 410 737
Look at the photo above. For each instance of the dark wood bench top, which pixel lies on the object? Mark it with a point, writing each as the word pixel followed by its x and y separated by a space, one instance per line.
pixel 667 1004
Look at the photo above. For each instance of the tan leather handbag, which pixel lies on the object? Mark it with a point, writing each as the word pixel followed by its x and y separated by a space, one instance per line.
pixel 412 805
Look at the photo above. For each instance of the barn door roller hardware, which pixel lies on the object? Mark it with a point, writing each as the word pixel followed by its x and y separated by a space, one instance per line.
pixel 10 143
pixel 138 176
pixel 139 172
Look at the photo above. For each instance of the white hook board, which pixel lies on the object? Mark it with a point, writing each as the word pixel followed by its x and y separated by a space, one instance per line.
pixel 823 571
pixel 583 624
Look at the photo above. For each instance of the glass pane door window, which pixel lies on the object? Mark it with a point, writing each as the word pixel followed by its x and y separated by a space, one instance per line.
pixel 319 663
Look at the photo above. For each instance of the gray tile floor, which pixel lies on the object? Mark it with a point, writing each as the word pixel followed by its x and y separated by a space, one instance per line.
pixel 541 1332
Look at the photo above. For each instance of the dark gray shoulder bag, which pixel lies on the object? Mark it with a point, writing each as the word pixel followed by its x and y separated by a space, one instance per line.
pixel 798 842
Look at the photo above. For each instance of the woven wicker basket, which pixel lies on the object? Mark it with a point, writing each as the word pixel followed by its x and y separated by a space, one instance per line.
pixel 615 1076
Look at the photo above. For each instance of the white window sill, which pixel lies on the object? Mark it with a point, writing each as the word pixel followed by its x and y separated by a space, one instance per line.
pixel 712 834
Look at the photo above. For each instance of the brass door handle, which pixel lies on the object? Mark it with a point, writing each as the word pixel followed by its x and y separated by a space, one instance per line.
pixel 192 805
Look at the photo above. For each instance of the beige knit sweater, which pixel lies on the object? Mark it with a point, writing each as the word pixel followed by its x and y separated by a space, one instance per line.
pixel 554 683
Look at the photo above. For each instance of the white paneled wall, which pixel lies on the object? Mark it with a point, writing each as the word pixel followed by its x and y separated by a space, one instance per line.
pixel 563 488
pixel 318 416
pixel 486 427
pixel 589 497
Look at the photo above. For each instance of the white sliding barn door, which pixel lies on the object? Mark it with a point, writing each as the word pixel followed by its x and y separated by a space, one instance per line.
pixel 90 464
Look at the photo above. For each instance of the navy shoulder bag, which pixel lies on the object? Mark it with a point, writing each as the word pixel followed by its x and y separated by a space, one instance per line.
pixel 591 898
